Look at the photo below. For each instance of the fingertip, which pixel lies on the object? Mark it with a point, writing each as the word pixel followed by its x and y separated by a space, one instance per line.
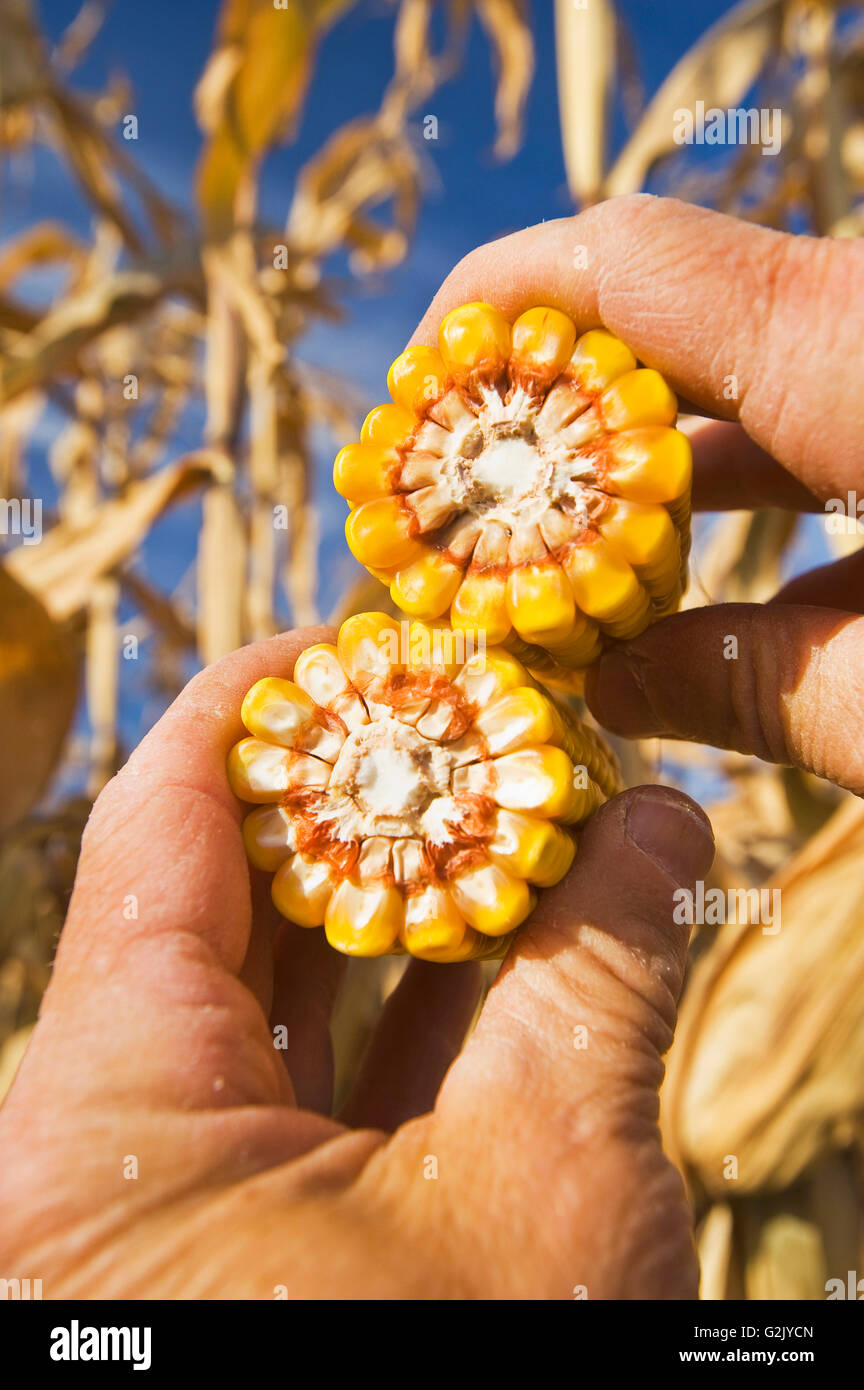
pixel 617 695
pixel 671 829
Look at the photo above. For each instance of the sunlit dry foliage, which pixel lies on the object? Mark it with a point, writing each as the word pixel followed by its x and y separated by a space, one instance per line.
pixel 160 310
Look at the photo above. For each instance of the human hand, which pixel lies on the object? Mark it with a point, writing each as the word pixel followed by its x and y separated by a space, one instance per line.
pixel 719 305
pixel 156 1143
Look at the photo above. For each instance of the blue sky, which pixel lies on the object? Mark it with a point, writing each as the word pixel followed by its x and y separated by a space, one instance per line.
pixel 162 47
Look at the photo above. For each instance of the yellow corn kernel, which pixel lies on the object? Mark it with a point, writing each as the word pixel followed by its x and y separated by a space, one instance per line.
pixel 642 534
pixel 434 646
pixel 426 588
pixel 267 837
pixel 471 946
pixel 321 674
pixel 517 718
pixel 604 585
pixel 487 674
pixel 364 472
pixel 276 709
pixel 475 342
pixel 580 647
pixel 279 711
pixel 650 465
pixel 302 888
pixel 637 399
pixel 540 602
pixel 536 850
pixel 432 923
pixel 543 341
pixel 480 605
pixel 491 900
pixel 384 576
pixel 364 919
pixel 379 534
pixel 538 781
pixel 417 379
pixel 369 647
pixel 387 426
pixel 598 359
pixel 262 772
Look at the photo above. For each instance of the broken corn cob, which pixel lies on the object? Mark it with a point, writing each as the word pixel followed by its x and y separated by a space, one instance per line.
pixel 412 790
pixel 527 482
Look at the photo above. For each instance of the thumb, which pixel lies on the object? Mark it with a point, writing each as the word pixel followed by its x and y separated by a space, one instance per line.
pixel 783 681
pixel 559 1080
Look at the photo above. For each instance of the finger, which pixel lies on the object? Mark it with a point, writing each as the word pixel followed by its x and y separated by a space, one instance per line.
pixel 549 1116
pixel 165 828
pixel 420 1031
pixel 781 681
pixel 748 323
pixel 160 920
pixel 308 973
pixel 256 972
pixel 732 473
pixel 837 585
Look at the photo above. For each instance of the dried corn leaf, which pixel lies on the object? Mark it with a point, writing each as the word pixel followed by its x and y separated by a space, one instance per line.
pixel 54 343
pixel 23 54
pixel 102 658
pixel 62 569
pixel 221 575
pixel 741 560
pixel 364 165
pixel 714 1248
pixel 506 22
pixel 38 694
pixel 250 94
pixel 585 44
pixel 785 1260
pixel 39 245
pixel 11 1054
pixel 16 422
pixel 790 1244
pixel 718 71
pixel 79 34
pixel 768 1063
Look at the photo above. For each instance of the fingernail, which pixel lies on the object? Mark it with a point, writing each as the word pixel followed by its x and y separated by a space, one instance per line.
pixel 616 695
pixel 671 830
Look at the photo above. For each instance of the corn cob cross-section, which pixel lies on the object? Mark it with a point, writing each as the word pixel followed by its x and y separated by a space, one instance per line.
pixel 412 793
pixel 526 482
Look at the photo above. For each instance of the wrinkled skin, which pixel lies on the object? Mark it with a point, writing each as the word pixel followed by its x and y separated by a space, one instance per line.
pixel 155 1041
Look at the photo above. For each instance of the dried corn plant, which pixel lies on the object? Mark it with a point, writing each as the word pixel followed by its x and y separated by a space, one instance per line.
pixel 763 1107
pixel 162 316
pixel 160 311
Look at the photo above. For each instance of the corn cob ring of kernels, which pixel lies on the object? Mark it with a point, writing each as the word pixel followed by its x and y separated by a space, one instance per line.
pixel 525 482
pixel 412 792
